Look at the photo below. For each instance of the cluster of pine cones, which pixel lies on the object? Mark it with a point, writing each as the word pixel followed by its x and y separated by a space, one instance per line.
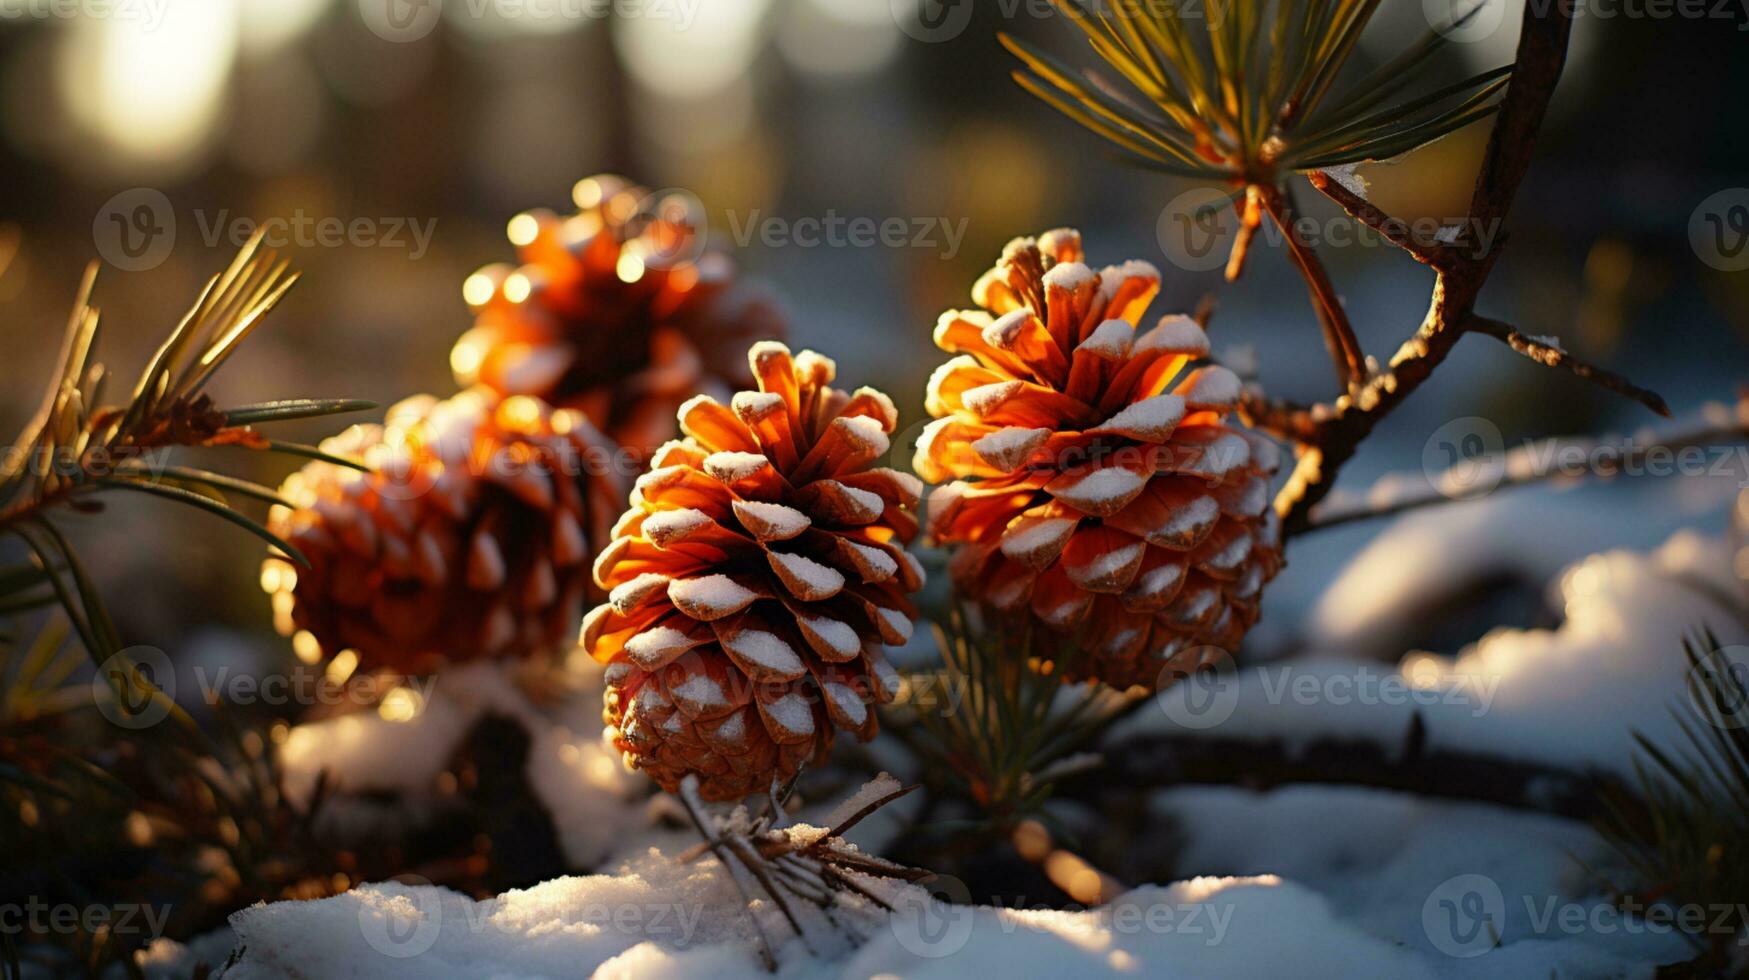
pixel 1090 481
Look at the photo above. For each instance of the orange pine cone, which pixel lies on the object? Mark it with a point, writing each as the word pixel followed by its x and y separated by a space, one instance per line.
pixel 619 310
pixel 471 538
pixel 754 580
pixel 1121 509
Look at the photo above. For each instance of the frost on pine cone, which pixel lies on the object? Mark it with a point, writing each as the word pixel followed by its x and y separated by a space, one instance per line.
pixel 754 580
pixel 470 539
pixel 619 310
pixel 1122 509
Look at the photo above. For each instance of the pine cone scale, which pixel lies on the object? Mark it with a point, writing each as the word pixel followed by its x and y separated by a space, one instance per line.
pixel 1088 479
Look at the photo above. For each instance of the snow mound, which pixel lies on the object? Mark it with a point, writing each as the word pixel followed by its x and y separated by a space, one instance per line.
pixel 1233 928
pixel 561 928
pixel 662 919
pixel 1385 860
pixel 1570 696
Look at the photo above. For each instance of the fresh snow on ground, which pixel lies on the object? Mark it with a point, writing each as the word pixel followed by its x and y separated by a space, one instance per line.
pixel 1304 881
pixel 1569 696
pixel 1307 882
pixel 1388 862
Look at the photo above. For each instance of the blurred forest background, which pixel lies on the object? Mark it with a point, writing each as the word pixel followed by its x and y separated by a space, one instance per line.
pixel 788 110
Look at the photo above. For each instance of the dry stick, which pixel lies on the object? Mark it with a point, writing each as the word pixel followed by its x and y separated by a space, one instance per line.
pixel 1551 355
pixel 1461 269
pixel 1535 463
pixel 1338 334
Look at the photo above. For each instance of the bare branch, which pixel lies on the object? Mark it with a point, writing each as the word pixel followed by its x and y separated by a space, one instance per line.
pixel 1338 333
pixel 1542 49
pixel 1394 231
pixel 1278 417
pixel 1551 355
pixel 1537 462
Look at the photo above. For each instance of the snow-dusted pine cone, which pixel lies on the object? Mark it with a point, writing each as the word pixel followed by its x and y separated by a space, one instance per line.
pixel 471 539
pixel 754 580
pixel 619 310
pixel 1122 509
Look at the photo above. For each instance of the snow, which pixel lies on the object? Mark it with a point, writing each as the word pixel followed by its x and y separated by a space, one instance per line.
pixel 1375 600
pixel 1384 861
pixel 985 399
pixel 657 645
pixel 1007 448
pixel 1571 696
pixel 896 621
pixel 1151 419
pixel 769 521
pixel 791 712
pixel 1211 387
pixel 836 634
pixel 1305 881
pixel 661 919
pixel 807 578
pixel 1070 276
pixel 882 566
pixel 1177 333
pixel 1111 339
pixel 756 404
pixel 560 928
pixel 1348 176
pixel 709 597
pixel 767 651
pixel 863 502
pixel 845 703
pixel 864 431
pixel 731 467
pixel 1101 491
pixel 665 526
pixel 1031 538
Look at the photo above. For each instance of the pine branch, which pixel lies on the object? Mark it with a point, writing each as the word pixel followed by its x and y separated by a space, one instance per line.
pixel 1461 269
pixel 75 448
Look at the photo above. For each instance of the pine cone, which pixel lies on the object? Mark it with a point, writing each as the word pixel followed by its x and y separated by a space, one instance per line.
pixel 1126 513
pixel 471 538
pixel 619 310
pixel 755 578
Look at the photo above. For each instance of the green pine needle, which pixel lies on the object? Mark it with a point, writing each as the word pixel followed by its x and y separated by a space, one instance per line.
pixel 1246 90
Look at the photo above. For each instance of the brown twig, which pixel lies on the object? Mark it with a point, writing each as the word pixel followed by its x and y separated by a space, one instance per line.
pixel 1552 355
pixel 1393 230
pixel 1338 334
pixel 1548 459
pixel 1278 417
pixel 1461 268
